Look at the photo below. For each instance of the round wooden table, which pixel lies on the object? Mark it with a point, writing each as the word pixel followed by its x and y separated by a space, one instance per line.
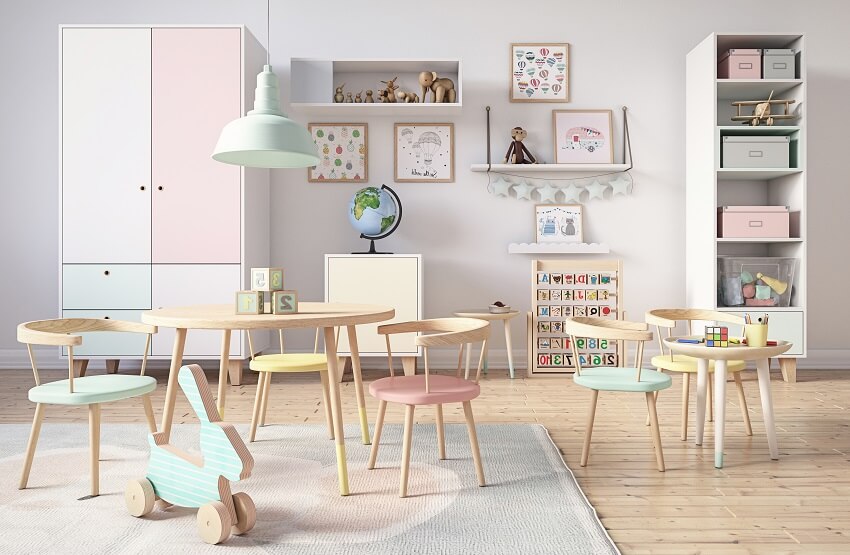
pixel 310 315
pixel 703 354
pixel 485 314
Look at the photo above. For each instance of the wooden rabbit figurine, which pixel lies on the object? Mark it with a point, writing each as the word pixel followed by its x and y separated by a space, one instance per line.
pixel 348 98
pixel 390 90
pixel 188 480
pixel 339 97
pixel 357 98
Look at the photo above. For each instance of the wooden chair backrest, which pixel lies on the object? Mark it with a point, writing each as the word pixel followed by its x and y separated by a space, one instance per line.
pixel 282 344
pixel 671 317
pixel 60 332
pixel 441 332
pixel 612 330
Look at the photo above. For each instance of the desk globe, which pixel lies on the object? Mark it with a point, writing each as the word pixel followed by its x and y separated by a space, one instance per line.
pixel 375 213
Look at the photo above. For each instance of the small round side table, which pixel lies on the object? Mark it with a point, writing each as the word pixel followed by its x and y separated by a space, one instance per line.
pixel 485 314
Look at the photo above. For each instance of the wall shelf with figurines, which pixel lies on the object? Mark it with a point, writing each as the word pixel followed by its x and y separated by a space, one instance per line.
pixel 583 168
pixel 379 87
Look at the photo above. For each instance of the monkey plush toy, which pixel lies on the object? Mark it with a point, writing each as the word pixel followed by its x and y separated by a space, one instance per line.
pixel 517 153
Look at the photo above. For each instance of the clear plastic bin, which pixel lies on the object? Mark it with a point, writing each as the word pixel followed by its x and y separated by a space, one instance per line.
pixel 755 281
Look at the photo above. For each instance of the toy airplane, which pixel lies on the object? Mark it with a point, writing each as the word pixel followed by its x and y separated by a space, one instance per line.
pixel 762 112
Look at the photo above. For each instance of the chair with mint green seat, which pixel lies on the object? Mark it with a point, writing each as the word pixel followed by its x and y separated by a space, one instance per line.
pixel 625 378
pixel 91 391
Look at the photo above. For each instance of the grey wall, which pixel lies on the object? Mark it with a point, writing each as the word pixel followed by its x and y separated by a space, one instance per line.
pixel 630 53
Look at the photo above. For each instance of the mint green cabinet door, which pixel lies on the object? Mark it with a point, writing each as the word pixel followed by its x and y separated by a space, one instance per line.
pixel 106 286
pixel 111 344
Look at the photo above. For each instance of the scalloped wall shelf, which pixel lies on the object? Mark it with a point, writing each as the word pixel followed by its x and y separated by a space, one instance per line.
pixel 558 248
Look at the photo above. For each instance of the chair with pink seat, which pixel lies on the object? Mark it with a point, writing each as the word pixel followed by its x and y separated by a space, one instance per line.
pixel 431 389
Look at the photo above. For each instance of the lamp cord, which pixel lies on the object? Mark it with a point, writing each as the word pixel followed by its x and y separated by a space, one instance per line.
pixel 268 33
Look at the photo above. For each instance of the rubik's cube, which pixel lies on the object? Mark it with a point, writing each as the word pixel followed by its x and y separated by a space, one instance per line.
pixel 717 336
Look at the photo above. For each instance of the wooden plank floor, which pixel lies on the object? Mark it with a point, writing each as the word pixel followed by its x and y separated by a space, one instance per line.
pixel 799 504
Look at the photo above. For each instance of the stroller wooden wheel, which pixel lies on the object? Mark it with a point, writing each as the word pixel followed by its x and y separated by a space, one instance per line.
pixel 214 522
pixel 246 513
pixel 140 497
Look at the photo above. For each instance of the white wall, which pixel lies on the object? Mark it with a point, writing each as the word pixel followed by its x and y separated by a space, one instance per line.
pixel 630 53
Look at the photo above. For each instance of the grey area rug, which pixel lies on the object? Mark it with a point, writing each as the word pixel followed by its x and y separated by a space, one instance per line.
pixel 531 504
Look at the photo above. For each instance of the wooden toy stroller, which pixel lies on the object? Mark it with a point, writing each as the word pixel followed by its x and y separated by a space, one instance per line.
pixel 186 480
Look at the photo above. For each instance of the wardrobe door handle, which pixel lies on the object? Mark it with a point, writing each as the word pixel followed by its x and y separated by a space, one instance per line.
pixel 142 188
pixel 160 188
pixel 106 272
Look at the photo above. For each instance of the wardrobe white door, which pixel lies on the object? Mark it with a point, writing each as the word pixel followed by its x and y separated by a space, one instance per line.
pixel 106 145
pixel 192 284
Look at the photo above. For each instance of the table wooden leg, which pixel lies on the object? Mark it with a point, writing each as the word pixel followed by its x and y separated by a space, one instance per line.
pixel 509 347
pixel 719 410
pixel 171 390
pixel 336 409
pixel 112 365
pixel 767 406
pixel 224 366
pixel 702 386
pixel 358 384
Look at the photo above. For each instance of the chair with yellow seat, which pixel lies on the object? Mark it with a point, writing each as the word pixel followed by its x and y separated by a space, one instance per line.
pixel 670 318
pixel 287 363
pixel 90 391
pixel 634 379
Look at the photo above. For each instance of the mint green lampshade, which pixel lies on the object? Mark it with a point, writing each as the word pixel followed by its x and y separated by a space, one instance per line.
pixel 265 137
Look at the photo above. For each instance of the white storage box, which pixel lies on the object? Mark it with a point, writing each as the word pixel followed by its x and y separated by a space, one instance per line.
pixel 779 63
pixel 750 151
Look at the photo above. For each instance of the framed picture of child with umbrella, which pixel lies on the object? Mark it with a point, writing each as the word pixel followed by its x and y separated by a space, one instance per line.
pixel 424 152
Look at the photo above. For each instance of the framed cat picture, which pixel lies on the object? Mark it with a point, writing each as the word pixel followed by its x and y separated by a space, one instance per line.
pixel 558 223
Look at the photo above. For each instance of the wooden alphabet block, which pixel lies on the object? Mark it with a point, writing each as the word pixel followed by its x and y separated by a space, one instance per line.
pixel 284 302
pixel 267 279
pixel 250 302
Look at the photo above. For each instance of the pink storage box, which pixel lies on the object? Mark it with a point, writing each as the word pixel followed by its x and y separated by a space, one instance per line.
pixel 753 221
pixel 740 63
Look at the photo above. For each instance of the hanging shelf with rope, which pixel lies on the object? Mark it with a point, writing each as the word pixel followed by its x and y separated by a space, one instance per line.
pixel 586 181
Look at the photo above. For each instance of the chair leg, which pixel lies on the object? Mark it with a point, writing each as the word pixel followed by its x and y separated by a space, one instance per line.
pixel 742 399
pixel 265 404
pixel 585 450
pixel 473 442
pixel 258 401
pixel 656 398
pixel 36 428
pixel 441 433
pixel 146 401
pixel 686 384
pixel 656 432
pixel 711 396
pixel 326 402
pixel 94 440
pixel 376 439
pixel 405 449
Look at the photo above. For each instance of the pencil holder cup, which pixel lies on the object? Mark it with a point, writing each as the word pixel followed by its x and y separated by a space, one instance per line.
pixel 756 335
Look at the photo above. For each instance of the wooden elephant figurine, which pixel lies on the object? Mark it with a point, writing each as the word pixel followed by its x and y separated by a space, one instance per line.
pixel 442 88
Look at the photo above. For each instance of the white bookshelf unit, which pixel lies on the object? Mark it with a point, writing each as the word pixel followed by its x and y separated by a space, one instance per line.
pixel 709 185
pixel 313 82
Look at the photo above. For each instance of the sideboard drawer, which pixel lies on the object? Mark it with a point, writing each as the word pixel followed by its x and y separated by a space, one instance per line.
pixel 109 344
pixel 101 286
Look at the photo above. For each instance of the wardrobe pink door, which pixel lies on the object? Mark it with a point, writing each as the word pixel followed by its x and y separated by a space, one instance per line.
pixel 196 90
pixel 106 145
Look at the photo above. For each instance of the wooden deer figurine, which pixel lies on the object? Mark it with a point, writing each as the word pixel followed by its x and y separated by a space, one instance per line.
pixel 180 478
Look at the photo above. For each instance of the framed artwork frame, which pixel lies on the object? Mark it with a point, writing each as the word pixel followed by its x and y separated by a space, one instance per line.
pixel 559 223
pixel 583 136
pixel 343 153
pixel 424 153
pixel 540 72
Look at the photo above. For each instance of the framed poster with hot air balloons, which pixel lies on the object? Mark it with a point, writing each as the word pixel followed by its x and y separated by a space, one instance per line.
pixel 343 153
pixel 540 72
pixel 424 153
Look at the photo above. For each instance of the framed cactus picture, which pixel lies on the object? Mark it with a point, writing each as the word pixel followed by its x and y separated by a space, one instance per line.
pixel 343 153
pixel 540 72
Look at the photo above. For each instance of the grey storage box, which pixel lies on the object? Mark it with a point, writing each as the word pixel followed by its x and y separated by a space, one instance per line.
pixel 750 151
pixel 779 63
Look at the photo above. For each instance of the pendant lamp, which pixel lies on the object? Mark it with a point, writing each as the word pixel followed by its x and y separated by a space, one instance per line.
pixel 265 137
